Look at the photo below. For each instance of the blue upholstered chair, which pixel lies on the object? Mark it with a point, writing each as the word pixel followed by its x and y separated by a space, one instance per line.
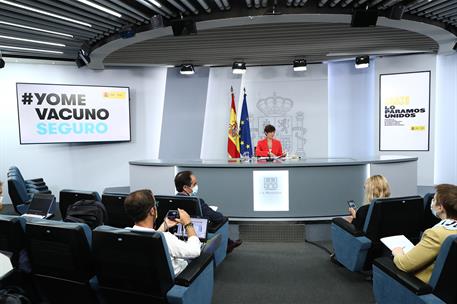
pixel 223 230
pixel 12 237
pixel 62 262
pixel 114 205
pixel 68 197
pixel 356 250
pixel 135 267
pixel 391 285
pixel 19 196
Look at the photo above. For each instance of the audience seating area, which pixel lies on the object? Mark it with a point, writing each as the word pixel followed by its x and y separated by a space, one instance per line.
pixel 356 250
pixel 61 262
pixel 21 190
pixel 391 285
pixel 69 263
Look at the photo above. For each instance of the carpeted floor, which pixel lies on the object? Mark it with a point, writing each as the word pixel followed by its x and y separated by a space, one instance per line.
pixel 286 273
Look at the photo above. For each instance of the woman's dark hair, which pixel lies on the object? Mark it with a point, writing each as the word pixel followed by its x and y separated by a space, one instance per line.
pixel 269 128
pixel 138 204
pixel 182 179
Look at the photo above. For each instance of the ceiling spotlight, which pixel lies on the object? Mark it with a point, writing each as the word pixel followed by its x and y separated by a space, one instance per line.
pixel 362 62
pixel 239 67
pixel 187 69
pixel 299 65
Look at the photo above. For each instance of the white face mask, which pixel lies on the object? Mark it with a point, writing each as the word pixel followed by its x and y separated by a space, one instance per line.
pixel 195 190
pixel 434 212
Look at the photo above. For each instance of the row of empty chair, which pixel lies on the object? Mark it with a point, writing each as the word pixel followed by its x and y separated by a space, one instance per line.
pixel 71 264
pixel 22 190
pixel 363 250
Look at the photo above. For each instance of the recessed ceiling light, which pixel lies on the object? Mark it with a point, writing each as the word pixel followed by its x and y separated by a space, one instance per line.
pixel 239 67
pixel 155 3
pixel 31 40
pixel 362 62
pixel 101 8
pixel 35 29
pixel 29 49
pixel 187 69
pixel 45 12
pixel 299 65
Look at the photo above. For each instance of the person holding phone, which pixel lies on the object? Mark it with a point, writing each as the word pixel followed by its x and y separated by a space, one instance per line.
pixel 375 186
pixel 269 146
pixel 141 207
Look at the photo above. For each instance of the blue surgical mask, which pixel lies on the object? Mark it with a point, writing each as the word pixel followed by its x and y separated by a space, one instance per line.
pixel 195 190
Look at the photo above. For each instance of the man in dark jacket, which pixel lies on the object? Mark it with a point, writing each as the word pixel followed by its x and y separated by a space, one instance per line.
pixel 186 184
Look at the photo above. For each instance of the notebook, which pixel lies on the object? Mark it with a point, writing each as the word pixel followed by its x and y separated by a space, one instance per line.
pixel 40 206
pixel 200 226
pixel 398 241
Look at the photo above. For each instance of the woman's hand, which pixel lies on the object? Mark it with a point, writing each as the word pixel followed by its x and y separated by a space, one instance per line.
pixel 398 251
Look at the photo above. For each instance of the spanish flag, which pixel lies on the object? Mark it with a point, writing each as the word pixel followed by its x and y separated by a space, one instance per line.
pixel 233 146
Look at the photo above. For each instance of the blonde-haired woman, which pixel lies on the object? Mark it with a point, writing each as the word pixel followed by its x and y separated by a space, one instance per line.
pixel 375 186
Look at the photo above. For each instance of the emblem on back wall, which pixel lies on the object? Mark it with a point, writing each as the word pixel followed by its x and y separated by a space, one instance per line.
pixel 289 126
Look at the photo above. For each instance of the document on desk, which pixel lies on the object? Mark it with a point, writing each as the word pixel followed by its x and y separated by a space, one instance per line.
pixel 397 241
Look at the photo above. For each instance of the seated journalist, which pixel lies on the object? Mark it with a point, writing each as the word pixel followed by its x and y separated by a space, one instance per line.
pixel 375 186
pixel 186 184
pixel 269 146
pixel 421 259
pixel 141 207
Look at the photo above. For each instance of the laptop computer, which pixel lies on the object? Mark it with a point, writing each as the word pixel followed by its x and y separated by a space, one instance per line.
pixel 40 206
pixel 200 226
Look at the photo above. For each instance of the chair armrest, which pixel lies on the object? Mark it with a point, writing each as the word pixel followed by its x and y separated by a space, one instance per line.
pixel 213 227
pixel 35 180
pixel 345 225
pixel 188 275
pixel 408 280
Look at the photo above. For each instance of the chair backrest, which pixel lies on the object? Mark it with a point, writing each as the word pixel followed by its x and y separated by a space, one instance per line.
pixel 114 204
pixel 18 193
pixel 132 267
pixel 68 197
pixel 12 236
pixel 444 273
pixel 429 219
pixel 393 216
pixel 60 250
pixel 190 204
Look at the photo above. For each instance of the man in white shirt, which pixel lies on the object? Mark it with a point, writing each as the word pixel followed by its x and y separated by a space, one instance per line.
pixel 141 207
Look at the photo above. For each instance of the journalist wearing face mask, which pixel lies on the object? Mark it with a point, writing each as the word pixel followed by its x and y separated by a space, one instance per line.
pixel 186 184
pixel 421 259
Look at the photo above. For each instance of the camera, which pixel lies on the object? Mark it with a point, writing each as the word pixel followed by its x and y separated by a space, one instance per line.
pixel 172 214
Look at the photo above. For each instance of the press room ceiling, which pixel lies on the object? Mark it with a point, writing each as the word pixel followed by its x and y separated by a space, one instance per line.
pixel 284 33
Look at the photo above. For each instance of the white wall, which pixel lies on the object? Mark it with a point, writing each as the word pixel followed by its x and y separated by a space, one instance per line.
pixel 446 123
pixel 294 102
pixel 403 64
pixel 351 110
pixel 82 166
pixel 217 113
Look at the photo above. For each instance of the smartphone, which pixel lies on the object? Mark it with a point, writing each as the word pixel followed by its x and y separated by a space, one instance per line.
pixel 172 214
pixel 352 204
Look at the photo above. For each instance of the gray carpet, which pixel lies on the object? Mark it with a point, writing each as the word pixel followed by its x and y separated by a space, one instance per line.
pixel 286 273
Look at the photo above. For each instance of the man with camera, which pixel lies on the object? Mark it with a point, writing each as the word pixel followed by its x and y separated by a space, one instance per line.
pixel 141 207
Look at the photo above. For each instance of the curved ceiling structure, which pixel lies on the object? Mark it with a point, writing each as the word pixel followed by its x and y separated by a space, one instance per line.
pixel 257 31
